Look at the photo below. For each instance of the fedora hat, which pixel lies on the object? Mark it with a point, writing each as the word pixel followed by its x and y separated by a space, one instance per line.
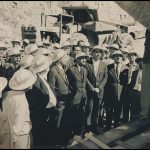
pixel 118 52
pixel 133 52
pixel 98 47
pixel 3 83
pixel 81 54
pixel 46 42
pixel 16 40
pixel 31 48
pixel 67 43
pixel 115 46
pixel 26 61
pixel 86 44
pixel 58 54
pixel 125 49
pixel 39 64
pixel 22 79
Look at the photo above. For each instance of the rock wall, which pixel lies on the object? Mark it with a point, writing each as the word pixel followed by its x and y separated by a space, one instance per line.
pixel 14 14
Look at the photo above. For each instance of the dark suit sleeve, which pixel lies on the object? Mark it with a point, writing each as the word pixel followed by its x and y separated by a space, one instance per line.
pixel 89 85
pixel 51 80
pixel 102 85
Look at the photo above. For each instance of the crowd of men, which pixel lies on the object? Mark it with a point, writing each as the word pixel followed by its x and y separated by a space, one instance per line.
pixel 52 92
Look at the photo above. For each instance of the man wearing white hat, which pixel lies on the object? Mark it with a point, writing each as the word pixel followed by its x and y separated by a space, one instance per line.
pixel 16 43
pixel 125 51
pixel 13 63
pixel 97 76
pixel 77 76
pixel 31 49
pixel 115 86
pixel 58 81
pixel 41 99
pixel 25 43
pixel 15 107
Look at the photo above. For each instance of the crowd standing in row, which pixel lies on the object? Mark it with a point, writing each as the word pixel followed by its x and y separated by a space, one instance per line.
pixel 52 92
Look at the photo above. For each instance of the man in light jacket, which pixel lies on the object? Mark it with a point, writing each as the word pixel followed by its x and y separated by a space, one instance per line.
pixel 16 109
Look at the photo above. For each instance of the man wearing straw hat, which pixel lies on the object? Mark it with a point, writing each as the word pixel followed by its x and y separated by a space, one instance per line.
pixel 58 81
pixel 115 86
pixel 31 49
pixel 41 99
pixel 15 107
pixel 97 76
pixel 77 76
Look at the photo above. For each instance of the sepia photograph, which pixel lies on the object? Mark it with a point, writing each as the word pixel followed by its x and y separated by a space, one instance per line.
pixel 75 75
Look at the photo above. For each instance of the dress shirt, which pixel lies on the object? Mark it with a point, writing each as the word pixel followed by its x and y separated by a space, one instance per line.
pixel 119 68
pixel 96 66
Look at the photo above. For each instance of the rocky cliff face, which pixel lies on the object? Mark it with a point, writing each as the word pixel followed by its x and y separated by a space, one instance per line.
pixel 14 14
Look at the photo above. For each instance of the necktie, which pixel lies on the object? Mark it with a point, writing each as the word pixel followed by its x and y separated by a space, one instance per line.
pixel 117 70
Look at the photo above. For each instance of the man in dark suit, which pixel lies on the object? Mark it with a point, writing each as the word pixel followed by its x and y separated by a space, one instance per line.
pixel 59 83
pixel 77 76
pixel 97 76
pixel 115 87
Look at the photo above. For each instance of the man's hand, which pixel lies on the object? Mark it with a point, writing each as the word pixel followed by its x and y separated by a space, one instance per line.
pixel 97 90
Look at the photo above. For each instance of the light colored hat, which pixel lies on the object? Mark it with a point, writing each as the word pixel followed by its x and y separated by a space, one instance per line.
pixel 133 52
pixel 14 52
pixel 3 83
pixel 31 48
pixel 81 54
pixel 26 41
pixel 22 79
pixel 99 47
pixel 44 51
pixel 117 52
pixel 45 42
pixel 58 54
pixel 86 43
pixel 40 44
pixel 115 46
pixel 67 43
pixel 57 45
pixel 26 61
pixel 16 40
pixel 39 64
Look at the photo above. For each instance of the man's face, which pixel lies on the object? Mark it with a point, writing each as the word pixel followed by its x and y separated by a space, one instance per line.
pixel 77 50
pixel 16 44
pixel 15 59
pixel 64 60
pixel 132 57
pixel 125 56
pixel 118 59
pixel 96 54
pixel 67 49
pixel 81 61
pixel 85 49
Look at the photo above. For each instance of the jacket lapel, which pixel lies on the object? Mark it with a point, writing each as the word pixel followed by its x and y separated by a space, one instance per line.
pixel 77 71
pixel 91 67
pixel 60 73
pixel 113 72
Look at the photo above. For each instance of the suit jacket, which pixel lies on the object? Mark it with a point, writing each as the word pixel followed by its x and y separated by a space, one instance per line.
pixel 77 84
pixel 57 82
pixel 116 86
pixel 98 81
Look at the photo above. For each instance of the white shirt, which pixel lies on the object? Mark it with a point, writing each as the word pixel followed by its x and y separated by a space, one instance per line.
pixel 16 109
pixel 96 66
pixel 138 81
pixel 119 68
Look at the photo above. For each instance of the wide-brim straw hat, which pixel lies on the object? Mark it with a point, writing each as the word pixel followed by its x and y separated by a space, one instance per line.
pixel 98 47
pixel 22 80
pixel 3 83
pixel 81 54
pixel 31 48
pixel 58 54
pixel 118 52
pixel 26 61
pixel 44 51
pixel 14 51
pixel 40 63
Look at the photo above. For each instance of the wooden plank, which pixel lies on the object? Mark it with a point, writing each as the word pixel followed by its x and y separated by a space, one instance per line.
pixel 124 131
pixel 96 141
pixel 138 142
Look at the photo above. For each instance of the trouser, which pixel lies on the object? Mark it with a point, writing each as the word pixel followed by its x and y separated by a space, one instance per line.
pixel 95 105
pixel 22 142
pixel 113 111
pixel 135 101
